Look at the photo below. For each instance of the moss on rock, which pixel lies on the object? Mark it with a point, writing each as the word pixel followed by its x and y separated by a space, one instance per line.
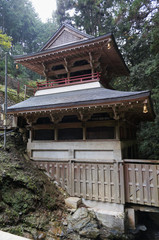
pixel 29 199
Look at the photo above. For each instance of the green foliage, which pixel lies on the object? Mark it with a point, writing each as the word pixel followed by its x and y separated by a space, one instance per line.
pixel 93 16
pixel 5 41
pixel 148 138
pixel 19 20
pixel 28 198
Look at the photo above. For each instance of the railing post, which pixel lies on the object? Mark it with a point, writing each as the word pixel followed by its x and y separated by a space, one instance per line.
pixel 97 75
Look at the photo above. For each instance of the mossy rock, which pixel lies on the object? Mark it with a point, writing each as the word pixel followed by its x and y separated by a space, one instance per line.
pixel 28 198
pixel 21 200
pixel 37 219
pixel 8 217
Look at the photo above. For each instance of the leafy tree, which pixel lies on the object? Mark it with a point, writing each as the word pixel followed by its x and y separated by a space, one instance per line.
pixel 94 16
pixel 5 41
pixel 62 12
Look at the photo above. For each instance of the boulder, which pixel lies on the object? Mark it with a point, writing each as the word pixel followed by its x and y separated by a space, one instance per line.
pixel 83 224
pixel 73 202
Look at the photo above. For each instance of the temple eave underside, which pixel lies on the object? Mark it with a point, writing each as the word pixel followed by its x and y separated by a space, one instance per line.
pixel 118 111
pixel 97 54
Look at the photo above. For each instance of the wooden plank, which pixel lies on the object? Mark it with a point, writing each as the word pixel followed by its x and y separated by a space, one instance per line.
pixel 50 160
pixel 57 173
pixel 69 181
pixel 89 177
pixel 122 183
pixel 112 184
pixel 50 169
pixel 75 160
pixel 155 185
pixel 102 182
pixel 127 182
pixel 96 169
pixel 140 183
pixel 78 180
pixel 72 181
pixel 84 180
pixel 133 182
pixel 62 176
pixel 53 170
pixel 108 182
pixel 147 185
pixel 116 182
pixel 141 161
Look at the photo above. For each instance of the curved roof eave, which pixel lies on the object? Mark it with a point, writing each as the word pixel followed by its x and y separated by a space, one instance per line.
pixel 63 47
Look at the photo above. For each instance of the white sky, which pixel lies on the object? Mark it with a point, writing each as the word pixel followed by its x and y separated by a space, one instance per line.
pixel 44 8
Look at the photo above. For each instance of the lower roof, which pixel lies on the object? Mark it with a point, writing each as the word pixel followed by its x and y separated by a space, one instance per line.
pixel 79 98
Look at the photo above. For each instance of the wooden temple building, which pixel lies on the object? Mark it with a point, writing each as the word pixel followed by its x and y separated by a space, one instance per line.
pixel 83 132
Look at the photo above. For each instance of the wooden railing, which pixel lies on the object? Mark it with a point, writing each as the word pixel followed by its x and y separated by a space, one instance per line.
pixel 105 181
pixel 142 181
pixel 100 181
pixel 68 81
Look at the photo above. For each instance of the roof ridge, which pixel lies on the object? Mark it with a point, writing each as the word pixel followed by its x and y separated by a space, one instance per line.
pixel 60 29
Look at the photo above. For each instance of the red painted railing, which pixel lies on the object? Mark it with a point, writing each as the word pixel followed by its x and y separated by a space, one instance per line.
pixel 68 81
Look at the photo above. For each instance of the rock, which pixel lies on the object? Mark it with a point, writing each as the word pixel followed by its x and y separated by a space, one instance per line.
pixel 91 232
pixel 41 236
pixel 73 202
pixel 79 214
pixel 54 231
pixel 83 224
pixel 139 228
pixel 108 233
pixel 36 219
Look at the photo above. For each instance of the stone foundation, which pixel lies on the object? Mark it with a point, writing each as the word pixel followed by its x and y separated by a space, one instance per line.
pixel 110 215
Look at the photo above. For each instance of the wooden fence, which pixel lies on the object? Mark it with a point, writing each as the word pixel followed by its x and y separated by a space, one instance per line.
pixel 131 181
pixel 101 181
pixel 142 182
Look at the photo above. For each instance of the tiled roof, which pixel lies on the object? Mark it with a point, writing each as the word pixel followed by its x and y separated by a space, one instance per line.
pixel 76 98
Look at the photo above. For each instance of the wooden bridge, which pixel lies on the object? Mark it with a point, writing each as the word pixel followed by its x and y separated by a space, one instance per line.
pixel 130 181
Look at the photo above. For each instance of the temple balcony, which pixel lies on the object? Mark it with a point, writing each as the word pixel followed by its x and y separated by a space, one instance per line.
pixel 87 78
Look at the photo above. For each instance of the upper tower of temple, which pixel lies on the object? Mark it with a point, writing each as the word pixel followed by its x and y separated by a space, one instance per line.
pixel 74 57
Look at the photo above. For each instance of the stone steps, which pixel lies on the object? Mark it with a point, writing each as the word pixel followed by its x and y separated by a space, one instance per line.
pixel 8 236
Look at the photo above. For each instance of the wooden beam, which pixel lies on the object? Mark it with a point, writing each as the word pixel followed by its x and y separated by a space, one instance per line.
pixel 72 69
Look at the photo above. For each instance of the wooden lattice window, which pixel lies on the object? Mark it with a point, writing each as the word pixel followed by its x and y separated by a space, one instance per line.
pixel 43 120
pixel 100 117
pixel 70 134
pixel 100 133
pixel 43 134
pixel 70 119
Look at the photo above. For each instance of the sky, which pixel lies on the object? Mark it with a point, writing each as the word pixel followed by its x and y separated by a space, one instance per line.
pixel 44 8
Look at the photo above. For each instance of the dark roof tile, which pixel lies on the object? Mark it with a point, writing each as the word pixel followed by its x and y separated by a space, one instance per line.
pixel 76 98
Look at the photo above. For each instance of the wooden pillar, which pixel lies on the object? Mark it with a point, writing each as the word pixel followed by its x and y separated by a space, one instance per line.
pixel 67 70
pixel 84 130
pixel 117 130
pixel 91 63
pixel 55 133
pixel 45 71
pixel 31 134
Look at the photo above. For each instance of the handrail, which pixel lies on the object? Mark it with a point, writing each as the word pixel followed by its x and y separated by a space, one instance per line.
pixel 70 160
pixel 141 161
pixel 68 81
